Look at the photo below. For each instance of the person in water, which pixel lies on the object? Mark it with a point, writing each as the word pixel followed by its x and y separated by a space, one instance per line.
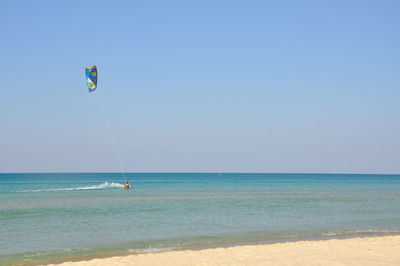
pixel 127 185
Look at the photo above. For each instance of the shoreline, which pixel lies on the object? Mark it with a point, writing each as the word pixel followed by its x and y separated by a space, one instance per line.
pixel 377 250
pixel 59 257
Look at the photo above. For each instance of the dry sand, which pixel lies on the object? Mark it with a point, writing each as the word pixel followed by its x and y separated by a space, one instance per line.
pixel 356 251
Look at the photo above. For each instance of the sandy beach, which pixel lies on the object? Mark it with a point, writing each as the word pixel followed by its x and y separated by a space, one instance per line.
pixel 355 251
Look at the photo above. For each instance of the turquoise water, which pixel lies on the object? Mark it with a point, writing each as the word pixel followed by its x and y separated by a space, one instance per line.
pixel 54 217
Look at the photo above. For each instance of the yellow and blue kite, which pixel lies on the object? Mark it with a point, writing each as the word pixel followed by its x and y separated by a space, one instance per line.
pixel 91 78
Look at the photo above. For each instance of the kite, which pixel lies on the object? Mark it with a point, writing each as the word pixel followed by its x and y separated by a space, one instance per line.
pixel 91 78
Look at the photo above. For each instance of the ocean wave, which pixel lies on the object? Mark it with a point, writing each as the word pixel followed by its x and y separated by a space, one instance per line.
pixel 104 185
pixel 150 250
pixel 360 232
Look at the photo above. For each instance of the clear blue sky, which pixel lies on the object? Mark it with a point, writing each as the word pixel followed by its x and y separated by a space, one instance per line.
pixel 200 86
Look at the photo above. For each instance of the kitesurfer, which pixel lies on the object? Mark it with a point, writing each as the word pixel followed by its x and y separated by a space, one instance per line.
pixel 127 185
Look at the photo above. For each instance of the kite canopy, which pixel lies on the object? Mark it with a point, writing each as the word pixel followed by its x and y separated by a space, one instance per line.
pixel 91 78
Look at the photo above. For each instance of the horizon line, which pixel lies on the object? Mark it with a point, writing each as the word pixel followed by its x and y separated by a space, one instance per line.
pixel 211 172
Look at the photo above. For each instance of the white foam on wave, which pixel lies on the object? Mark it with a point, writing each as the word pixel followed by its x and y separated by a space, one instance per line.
pixel 104 185
pixel 360 232
pixel 150 250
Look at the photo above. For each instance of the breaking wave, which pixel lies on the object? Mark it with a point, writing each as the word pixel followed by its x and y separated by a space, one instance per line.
pixel 360 232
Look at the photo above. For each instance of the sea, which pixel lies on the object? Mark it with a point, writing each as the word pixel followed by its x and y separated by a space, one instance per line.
pixel 51 218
